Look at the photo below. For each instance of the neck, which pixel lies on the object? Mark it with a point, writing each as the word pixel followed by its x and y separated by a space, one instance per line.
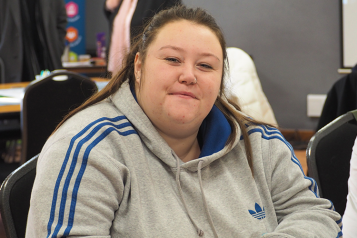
pixel 185 148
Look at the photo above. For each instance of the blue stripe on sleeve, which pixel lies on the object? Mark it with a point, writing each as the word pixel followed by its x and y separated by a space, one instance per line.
pixel 73 166
pixel 60 176
pixel 275 134
pixel 81 172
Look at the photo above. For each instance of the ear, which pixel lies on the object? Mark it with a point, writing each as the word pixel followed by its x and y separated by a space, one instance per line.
pixel 137 68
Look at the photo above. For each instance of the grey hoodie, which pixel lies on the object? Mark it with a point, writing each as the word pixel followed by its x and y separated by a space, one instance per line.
pixel 108 173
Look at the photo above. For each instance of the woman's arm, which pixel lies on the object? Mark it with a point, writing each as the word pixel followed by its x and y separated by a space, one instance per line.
pixel 74 195
pixel 110 8
pixel 300 212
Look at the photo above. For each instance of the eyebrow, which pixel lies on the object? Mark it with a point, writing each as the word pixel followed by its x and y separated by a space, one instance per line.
pixel 182 50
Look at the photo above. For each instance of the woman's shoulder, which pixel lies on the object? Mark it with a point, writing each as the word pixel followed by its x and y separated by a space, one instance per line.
pixel 90 123
pixel 268 140
pixel 271 149
pixel 264 132
pixel 99 111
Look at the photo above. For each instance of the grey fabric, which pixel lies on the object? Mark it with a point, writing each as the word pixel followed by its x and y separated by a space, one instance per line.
pixel 125 183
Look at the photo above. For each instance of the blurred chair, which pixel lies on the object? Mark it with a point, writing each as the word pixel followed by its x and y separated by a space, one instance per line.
pixel 46 102
pixel 2 71
pixel 242 86
pixel 15 193
pixel 9 133
pixel 328 158
pixel 6 169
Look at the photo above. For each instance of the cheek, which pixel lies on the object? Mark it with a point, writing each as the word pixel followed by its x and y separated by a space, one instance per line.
pixel 152 94
pixel 212 94
pixel 213 90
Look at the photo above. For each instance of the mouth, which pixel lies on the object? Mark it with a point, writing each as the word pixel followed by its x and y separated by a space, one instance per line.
pixel 184 94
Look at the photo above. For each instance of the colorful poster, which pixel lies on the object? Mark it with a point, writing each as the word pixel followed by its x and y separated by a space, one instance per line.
pixel 76 28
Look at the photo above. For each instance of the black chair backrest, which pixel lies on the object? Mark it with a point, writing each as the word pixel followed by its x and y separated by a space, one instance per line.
pixel 328 158
pixel 46 102
pixel 15 193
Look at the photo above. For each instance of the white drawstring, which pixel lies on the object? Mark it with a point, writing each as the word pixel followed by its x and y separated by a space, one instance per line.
pixel 199 231
pixel 199 167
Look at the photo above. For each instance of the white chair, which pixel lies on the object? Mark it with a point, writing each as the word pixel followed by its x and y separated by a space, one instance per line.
pixel 242 85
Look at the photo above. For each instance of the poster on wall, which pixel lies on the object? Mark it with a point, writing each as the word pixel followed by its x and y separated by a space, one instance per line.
pixel 75 38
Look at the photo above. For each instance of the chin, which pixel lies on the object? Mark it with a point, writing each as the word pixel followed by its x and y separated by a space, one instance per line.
pixel 184 119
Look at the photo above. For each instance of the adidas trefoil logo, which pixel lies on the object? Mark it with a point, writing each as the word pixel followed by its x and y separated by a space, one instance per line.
pixel 259 213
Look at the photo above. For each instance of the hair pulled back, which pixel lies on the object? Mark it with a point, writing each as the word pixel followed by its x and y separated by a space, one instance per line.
pixel 141 44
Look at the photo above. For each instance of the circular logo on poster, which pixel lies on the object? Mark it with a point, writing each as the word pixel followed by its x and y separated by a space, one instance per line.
pixel 72 9
pixel 72 34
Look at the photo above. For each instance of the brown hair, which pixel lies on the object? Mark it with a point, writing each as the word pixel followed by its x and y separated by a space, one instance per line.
pixel 142 42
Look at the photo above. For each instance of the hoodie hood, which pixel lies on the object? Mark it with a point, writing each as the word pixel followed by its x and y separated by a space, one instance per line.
pixel 213 133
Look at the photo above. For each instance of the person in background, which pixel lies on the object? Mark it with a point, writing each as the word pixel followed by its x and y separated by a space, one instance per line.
pixel 126 19
pixel 350 215
pixel 161 152
pixel 32 37
pixel 354 69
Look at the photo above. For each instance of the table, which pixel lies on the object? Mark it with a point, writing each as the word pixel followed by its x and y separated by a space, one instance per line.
pixel 10 109
pixel 95 69
pixel 301 155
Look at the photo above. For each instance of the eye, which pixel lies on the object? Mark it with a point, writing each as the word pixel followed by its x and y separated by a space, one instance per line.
pixel 172 60
pixel 206 66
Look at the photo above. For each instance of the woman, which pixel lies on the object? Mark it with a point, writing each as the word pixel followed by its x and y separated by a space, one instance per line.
pixel 160 152
pixel 350 215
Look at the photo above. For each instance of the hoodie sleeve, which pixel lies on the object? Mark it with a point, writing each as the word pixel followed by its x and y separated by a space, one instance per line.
pixel 299 210
pixel 74 196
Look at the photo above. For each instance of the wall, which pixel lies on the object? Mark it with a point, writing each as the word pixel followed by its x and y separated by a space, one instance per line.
pixel 95 22
pixel 295 45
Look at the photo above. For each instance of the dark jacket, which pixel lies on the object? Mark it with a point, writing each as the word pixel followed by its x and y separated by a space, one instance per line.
pixel 18 45
pixel 341 99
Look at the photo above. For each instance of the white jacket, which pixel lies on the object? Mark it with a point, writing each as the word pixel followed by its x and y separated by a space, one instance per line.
pixel 350 215
pixel 244 88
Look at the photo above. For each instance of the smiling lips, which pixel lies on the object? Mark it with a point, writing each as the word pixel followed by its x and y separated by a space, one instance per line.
pixel 184 94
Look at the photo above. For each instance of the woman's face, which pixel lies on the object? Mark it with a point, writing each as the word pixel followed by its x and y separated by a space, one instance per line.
pixel 166 85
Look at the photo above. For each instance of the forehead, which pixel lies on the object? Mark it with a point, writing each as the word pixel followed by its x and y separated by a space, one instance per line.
pixel 178 25
pixel 184 33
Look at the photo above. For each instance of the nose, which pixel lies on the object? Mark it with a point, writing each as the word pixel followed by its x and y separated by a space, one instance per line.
pixel 188 77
